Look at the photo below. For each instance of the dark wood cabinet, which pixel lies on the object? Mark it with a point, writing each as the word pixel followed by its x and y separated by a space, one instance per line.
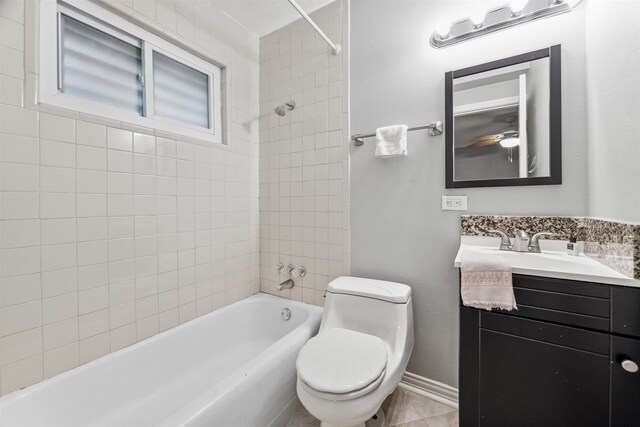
pixel 625 386
pixel 556 361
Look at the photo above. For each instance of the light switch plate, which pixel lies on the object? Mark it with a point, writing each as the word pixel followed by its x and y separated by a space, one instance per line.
pixel 454 203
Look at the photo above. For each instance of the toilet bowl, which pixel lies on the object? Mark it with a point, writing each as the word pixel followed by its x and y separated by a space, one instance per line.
pixel 360 353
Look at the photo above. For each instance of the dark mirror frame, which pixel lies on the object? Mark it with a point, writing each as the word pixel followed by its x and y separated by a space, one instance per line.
pixel 555 120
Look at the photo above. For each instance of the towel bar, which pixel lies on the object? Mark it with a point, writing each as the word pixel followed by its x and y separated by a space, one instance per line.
pixel 434 128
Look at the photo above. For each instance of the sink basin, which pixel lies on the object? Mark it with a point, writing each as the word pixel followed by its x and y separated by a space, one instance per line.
pixel 549 263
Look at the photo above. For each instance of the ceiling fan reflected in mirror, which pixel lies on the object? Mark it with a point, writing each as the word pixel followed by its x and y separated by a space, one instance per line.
pixel 507 137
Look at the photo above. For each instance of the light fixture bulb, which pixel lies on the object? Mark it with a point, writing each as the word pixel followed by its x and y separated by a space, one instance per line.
pixel 510 142
pixel 477 19
pixel 517 6
pixel 442 29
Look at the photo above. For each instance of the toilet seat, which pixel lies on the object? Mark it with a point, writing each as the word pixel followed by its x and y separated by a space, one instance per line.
pixel 341 364
pixel 344 396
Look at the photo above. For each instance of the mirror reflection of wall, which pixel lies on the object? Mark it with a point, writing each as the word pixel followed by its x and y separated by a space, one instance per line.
pixel 501 123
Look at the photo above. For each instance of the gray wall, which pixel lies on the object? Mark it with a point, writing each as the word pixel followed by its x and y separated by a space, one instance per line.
pixel 398 231
pixel 613 70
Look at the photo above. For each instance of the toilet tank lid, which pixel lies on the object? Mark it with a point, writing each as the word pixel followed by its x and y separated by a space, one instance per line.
pixel 371 288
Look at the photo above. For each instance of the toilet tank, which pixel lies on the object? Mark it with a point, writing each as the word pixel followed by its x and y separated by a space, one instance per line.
pixel 374 307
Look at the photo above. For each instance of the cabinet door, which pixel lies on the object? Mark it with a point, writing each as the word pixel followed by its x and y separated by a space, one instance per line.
pixel 625 319
pixel 526 382
pixel 625 385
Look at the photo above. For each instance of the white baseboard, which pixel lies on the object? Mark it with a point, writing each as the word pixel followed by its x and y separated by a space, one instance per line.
pixel 285 415
pixel 434 390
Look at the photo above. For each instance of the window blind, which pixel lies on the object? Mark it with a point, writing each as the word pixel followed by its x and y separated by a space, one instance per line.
pixel 97 66
pixel 180 92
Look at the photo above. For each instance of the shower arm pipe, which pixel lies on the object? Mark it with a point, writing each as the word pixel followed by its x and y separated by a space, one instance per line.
pixel 335 48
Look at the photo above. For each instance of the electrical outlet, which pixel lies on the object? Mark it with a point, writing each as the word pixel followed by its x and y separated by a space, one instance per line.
pixel 454 203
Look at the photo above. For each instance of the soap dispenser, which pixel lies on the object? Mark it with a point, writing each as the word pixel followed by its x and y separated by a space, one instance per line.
pixel 572 246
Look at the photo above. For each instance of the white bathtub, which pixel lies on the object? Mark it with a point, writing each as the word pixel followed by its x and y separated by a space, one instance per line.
pixel 232 367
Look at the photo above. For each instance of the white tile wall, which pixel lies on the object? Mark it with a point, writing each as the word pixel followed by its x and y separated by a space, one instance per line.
pixel 107 235
pixel 304 168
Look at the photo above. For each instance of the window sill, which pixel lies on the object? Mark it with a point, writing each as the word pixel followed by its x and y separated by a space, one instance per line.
pixel 92 118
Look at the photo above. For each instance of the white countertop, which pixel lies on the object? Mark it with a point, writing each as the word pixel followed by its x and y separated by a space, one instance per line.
pixel 552 262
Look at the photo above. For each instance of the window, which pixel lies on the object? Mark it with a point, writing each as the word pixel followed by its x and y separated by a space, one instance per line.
pixel 179 91
pixel 97 66
pixel 107 66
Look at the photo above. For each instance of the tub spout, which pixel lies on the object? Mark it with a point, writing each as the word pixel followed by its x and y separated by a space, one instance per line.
pixel 287 284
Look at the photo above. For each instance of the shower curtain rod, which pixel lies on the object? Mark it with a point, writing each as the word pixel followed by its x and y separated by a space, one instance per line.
pixel 335 47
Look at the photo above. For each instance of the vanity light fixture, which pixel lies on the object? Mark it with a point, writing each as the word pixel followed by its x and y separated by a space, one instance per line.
pixel 517 6
pixel 509 15
pixel 442 30
pixel 477 19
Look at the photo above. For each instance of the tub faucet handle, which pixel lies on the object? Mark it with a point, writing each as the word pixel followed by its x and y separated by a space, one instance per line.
pixel 298 272
pixel 277 268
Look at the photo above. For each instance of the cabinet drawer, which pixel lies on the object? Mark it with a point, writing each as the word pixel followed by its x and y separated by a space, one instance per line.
pixel 567 302
pixel 562 286
pixel 590 306
pixel 567 336
pixel 562 317
pixel 614 309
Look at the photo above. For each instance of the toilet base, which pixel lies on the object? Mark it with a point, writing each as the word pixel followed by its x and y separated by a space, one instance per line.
pixel 325 424
pixel 376 421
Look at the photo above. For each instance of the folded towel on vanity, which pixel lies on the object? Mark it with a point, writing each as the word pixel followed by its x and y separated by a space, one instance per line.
pixel 486 282
pixel 391 141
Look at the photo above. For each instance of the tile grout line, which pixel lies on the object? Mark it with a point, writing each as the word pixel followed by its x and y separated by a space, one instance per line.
pixel 75 182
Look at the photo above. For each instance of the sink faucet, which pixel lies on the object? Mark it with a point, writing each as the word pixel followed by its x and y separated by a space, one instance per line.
pixel 287 284
pixel 522 241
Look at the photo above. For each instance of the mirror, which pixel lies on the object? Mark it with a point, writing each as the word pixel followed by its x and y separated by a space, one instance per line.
pixel 503 122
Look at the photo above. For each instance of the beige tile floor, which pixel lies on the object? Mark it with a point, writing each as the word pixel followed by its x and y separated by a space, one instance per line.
pixel 402 408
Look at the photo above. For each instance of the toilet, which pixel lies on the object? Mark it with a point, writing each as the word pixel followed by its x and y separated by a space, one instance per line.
pixel 360 353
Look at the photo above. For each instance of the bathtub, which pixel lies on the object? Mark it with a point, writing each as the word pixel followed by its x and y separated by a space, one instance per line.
pixel 232 367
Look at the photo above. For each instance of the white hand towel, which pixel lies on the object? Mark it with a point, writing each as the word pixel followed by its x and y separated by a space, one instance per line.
pixel 391 141
pixel 486 282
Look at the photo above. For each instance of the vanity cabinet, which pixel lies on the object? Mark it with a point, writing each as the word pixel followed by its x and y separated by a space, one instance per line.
pixel 556 361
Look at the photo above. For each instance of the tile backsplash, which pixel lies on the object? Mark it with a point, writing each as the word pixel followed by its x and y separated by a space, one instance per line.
pixel 304 198
pixel 614 244
pixel 110 234
pixel 568 226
